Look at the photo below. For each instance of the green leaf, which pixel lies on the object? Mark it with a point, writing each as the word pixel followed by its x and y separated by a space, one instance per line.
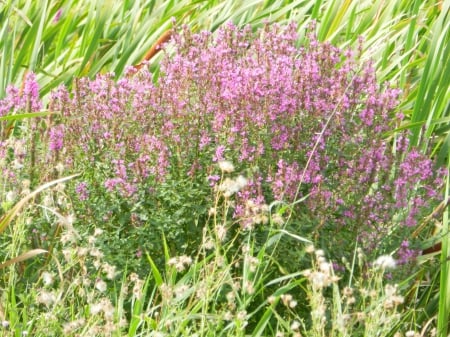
pixel 26 115
pixel 155 272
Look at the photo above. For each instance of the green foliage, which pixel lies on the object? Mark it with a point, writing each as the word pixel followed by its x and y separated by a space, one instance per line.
pixel 178 208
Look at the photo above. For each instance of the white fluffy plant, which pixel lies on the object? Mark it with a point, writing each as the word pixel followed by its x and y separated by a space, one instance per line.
pixel 367 306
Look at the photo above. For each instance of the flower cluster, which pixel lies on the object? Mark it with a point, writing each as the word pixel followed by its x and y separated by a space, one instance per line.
pixel 299 121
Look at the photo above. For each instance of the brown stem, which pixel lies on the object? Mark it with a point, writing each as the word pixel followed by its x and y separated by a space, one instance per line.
pixel 436 248
pixel 165 37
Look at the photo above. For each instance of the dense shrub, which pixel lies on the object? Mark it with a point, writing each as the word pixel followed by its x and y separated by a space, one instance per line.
pixel 305 122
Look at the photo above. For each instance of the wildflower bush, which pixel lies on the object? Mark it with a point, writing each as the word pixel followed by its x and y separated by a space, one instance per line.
pixel 305 132
pixel 298 122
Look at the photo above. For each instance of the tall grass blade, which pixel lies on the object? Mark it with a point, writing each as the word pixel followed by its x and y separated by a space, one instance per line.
pixel 26 115
pixel 262 323
pixel 25 256
pixel 38 38
pixel 409 42
pixel 444 289
pixel 433 87
pixel 155 271
pixel 6 219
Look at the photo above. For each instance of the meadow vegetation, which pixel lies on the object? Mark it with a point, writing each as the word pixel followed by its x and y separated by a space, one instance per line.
pixel 277 170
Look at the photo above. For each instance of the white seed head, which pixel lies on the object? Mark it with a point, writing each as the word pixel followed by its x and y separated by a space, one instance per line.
pixel 271 299
pixel 295 325
pixel 226 166
pixel 100 285
pixel 96 308
pixel 241 181
pixel 320 253
pixel 47 298
pixel 47 278
pixel 221 232
pixel 385 262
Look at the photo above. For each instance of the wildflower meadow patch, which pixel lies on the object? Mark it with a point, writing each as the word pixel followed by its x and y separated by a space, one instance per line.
pixel 245 146
pixel 297 122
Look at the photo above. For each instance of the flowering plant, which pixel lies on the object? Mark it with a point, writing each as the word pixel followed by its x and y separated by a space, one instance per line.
pixel 299 123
